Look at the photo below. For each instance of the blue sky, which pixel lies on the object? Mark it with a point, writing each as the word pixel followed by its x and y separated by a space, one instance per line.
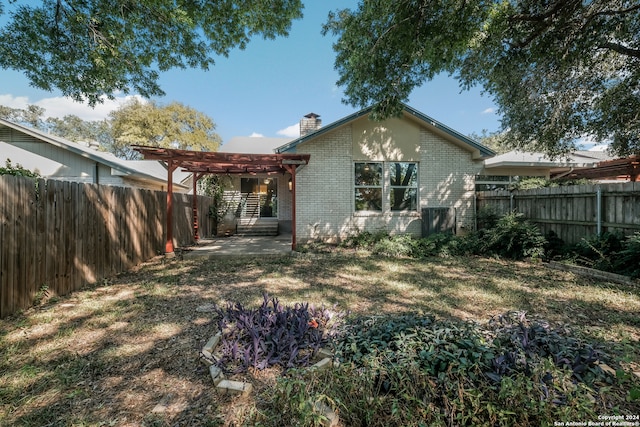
pixel 266 89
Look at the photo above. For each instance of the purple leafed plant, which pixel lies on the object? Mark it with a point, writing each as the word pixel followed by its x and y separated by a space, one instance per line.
pixel 272 334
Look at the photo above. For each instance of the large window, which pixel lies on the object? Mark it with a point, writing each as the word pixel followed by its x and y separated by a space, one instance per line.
pixel 373 187
pixel 368 183
pixel 403 186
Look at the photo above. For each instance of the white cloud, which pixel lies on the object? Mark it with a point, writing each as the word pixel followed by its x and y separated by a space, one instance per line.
pixel 14 101
pixel 489 110
pixel 256 135
pixel 59 106
pixel 292 131
pixel 599 147
pixel 590 143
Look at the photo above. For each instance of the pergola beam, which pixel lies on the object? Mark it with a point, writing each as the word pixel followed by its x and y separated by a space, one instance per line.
pixel 626 167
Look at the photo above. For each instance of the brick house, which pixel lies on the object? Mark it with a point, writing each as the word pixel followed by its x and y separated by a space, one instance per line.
pixel 363 175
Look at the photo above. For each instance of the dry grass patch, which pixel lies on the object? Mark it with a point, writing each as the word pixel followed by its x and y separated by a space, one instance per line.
pixel 126 352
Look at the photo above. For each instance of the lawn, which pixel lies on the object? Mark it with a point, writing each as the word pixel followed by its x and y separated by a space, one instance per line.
pixel 126 351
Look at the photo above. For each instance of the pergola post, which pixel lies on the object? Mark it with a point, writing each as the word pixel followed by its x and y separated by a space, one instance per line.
pixel 293 209
pixel 171 167
pixel 292 170
pixel 195 178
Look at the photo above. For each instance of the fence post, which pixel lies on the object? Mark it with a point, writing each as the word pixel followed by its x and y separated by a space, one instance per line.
pixel 599 211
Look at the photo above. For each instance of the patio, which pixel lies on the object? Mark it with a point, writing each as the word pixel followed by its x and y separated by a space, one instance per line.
pixel 235 246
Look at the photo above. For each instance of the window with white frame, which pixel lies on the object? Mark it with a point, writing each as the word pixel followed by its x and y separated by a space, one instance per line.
pixel 373 188
pixel 403 186
pixel 368 186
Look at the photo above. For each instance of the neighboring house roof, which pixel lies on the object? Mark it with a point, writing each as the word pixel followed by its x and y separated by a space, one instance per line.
pixel 254 145
pixel 429 122
pixel 142 169
pixel 595 154
pixel 524 163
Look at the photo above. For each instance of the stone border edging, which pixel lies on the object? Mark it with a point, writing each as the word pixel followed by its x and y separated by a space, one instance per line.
pixel 590 272
pixel 224 385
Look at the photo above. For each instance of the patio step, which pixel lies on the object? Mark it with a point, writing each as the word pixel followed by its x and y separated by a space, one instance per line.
pixel 256 227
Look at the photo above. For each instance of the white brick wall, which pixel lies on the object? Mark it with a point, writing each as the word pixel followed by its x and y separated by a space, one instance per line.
pixel 447 177
pixel 325 188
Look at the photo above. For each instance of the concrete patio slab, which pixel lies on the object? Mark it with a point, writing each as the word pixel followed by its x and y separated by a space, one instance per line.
pixel 235 246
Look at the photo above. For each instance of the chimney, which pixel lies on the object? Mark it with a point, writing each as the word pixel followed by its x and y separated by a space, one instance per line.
pixel 310 123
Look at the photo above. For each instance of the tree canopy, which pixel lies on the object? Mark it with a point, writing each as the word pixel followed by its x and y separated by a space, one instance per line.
pixel 559 70
pixel 174 125
pixel 90 49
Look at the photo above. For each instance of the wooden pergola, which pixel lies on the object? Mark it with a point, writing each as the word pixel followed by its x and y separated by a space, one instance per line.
pixel 622 169
pixel 201 163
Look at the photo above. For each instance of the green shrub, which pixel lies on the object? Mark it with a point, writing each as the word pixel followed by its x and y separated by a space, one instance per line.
pixel 611 251
pixel 555 247
pixel 440 244
pixel 627 260
pixel 402 245
pixel 364 239
pixel 514 237
pixel 511 236
pixel 539 182
pixel 597 251
pixel 17 170
pixel 486 217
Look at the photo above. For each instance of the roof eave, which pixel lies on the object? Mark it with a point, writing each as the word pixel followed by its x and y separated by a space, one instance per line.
pixel 480 151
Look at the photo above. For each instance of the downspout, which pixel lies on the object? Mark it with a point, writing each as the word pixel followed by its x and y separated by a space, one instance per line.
pixel 96 175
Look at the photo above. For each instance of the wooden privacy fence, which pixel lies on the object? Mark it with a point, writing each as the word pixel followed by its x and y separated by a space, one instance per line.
pixel 61 235
pixel 572 212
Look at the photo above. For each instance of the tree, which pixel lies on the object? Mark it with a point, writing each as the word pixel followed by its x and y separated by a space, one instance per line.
pixel 89 49
pixel 30 116
pixel 75 129
pixel 171 126
pixel 70 127
pixel 559 70
pixel 496 141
